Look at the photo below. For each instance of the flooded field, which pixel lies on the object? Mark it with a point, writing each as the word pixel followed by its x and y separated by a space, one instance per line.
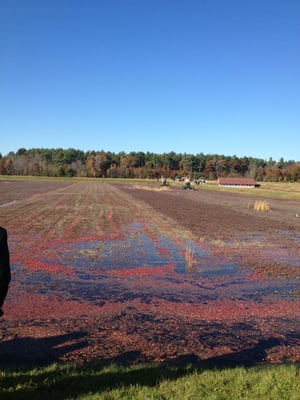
pixel 122 274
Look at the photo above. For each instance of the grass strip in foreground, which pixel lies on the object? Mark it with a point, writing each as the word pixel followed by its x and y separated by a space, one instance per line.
pixel 68 381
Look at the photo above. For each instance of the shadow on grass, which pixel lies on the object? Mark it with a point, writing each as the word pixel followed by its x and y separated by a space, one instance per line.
pixel 69 381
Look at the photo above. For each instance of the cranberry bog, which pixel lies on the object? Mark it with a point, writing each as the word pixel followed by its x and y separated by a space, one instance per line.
pixel 128 273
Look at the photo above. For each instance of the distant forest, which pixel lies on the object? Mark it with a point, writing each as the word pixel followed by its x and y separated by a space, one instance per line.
pixel 76 163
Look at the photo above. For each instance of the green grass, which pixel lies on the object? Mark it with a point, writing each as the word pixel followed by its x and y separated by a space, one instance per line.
pixel 155 382
pixel 279 190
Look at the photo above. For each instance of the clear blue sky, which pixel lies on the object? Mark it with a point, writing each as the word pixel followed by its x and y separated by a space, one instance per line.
pixel 210 76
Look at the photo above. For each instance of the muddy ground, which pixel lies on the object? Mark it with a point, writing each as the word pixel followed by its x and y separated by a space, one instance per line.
pixel 221 215
pixel 56 313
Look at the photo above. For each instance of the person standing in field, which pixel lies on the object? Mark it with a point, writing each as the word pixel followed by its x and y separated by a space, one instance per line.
pixel 5 275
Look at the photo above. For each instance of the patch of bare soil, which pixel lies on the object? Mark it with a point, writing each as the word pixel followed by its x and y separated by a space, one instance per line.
pixel 229 220
pixel 222 216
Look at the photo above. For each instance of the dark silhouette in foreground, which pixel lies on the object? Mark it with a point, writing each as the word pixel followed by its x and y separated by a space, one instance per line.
pixel 5 275
pixel 29 351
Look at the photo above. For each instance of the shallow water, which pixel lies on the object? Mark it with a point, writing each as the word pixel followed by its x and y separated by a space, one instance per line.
pixel 141 266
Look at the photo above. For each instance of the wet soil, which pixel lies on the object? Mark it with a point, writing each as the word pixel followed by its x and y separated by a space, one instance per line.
pixel 100 275
pixel 221 215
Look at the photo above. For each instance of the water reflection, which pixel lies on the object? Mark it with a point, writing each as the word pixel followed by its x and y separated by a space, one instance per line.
pixel 143 265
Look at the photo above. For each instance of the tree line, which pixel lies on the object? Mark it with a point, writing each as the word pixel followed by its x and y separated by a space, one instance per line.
pixel 105 164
